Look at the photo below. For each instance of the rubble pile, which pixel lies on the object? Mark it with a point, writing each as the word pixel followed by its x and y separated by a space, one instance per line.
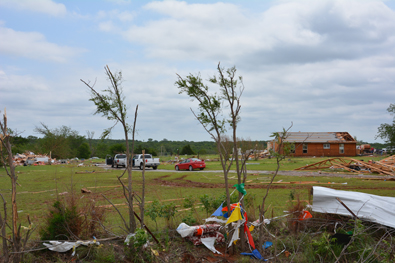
pixel 29 158
pixel 383 167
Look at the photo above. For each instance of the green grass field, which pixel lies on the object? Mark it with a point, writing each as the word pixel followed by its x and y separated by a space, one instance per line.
pixel 39 186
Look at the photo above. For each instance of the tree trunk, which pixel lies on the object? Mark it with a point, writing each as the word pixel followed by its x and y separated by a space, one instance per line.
pixel 143 194
pixel 3 231
pixel 132 220
pixel 15 233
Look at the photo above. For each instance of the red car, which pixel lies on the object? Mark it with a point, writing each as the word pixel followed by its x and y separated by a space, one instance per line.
pixel 190 164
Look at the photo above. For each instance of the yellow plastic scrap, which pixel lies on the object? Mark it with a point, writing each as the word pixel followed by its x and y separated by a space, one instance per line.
pixel 27 228
pixel 155 252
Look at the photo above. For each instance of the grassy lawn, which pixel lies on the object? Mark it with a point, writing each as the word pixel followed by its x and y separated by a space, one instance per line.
pixel 290 163
pixel 39 186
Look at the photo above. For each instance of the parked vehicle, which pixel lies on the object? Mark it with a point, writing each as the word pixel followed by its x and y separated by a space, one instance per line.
pixel 149 161
pixel 190 164
pixel 119 160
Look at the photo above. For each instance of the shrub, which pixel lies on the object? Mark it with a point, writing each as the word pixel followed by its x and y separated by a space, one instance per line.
pixel 73 218
pixel 62 223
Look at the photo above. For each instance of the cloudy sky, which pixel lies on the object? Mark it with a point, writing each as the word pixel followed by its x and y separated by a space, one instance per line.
pixel 325 65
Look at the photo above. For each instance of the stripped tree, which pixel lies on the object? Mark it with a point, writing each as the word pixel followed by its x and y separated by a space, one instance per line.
pixel 210 115
pixel 16 241
pixel 111 104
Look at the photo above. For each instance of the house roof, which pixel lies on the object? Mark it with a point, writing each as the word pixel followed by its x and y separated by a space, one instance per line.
pixel 320 137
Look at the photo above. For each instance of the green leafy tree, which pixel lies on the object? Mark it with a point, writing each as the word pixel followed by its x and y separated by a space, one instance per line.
pixel 387 131
pixel 187 150
pixel 62 142
pixel 84 151
pixel 117 148
pixel 102 149
pixel 111 105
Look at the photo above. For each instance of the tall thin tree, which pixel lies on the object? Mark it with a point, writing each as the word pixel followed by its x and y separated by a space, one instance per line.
pixel 111 104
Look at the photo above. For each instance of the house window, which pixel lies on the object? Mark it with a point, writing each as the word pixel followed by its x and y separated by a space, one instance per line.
pixel 304 148
pixel 327 146
pixel 341 148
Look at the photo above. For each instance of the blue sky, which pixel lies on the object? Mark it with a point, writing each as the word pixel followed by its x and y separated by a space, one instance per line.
pixel 323 65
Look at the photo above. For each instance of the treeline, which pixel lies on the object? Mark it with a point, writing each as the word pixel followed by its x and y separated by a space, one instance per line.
pixel 65 143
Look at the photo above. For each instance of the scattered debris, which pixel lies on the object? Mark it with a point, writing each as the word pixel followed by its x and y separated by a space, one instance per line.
pixel 91 172
pixel 353 165
pixel 85 191
pixel 29 158
pixel 374 208
pixel 66 246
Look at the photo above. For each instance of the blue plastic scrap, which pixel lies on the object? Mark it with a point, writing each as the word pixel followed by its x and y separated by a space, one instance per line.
pixel 218 212
pixel 255 254
pixel 267 244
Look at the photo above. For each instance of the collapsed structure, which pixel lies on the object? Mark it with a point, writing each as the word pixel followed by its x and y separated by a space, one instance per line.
pixel 384 167
pixel 29 158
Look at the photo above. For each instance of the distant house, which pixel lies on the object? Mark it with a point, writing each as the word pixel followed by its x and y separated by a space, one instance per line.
pixel 318 144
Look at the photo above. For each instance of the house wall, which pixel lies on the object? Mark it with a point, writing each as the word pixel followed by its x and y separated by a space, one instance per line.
pixel 317 149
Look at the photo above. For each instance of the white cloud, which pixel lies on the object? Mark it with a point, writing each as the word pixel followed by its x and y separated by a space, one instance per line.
pixel 120 2
pixel 325 65
pixel 124 16
pixel 48 7
pixel 33 45
pixel 295 31
pixel 112 19
pixel 20 84
pixel 107 26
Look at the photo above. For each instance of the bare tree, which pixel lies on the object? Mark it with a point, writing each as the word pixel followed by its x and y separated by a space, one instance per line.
pixel 89 136
pixel 111 104
pixel 17 242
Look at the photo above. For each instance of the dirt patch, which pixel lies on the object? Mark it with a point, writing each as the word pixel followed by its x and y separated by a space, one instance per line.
pixel 181 182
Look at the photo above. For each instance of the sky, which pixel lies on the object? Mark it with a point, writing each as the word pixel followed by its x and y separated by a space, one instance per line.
pixel 324 66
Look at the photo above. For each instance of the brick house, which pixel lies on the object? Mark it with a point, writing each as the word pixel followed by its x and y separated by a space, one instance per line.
pixel 333 144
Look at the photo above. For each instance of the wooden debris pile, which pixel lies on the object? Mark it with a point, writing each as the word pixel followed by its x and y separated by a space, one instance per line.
pixel 260 155
pixel 31 159
pixel 353 165
pixel 388 161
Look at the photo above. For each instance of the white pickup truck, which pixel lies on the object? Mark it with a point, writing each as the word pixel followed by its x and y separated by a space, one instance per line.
pixel 119 160
pixel 149 161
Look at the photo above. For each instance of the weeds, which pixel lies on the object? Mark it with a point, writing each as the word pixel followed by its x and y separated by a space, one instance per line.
pixel 73 218
pixel 166 211
pixel 137 249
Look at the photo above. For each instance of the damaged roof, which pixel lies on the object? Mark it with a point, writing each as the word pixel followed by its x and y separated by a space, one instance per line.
pixel 320 137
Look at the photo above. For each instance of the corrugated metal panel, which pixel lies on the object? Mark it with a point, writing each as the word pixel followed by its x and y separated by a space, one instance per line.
pixel 319 137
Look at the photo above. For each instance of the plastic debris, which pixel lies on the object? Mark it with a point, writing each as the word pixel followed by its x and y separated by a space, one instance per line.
pixel 267 244
pixel 66 246
pixel 235 216
pixel 209 243
pixel 214 219
pixel 218 212
pixel 184 230
pixel 255 254
pixel 195 234
pixel 240 188
pixel 374 208
pixel 236 236
pixel 305 215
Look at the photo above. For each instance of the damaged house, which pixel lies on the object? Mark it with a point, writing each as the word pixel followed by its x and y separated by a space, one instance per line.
pixel 320 144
